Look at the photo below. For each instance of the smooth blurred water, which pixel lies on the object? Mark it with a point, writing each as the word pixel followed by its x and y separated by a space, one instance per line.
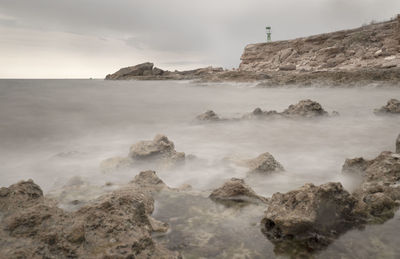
pixel 53 130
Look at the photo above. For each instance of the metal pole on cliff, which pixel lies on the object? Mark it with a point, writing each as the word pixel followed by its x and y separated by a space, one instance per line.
pixel 268 28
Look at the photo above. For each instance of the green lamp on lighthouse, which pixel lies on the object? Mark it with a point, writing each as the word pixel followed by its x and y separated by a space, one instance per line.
pixel 268 28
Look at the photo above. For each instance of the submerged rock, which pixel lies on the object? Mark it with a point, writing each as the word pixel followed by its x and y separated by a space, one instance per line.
pixel 264 164
pixel 116 225
pixel 392 107
pixel 305 108
pixel 310 216
pixel 160 151
pixel 158 148
pixel 235 190
pixel 208 116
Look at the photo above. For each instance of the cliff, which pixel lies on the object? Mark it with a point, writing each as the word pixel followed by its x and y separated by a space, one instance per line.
pixel 372 46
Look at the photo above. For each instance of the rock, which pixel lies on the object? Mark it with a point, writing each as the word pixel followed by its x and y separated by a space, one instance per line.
pixel 355 165
pixel 379 194
pixel 149 180
pixel 128 72
pixel 310 216
pixel 398 144
pixel 392 107
pixel 116 225
pixel 159 147
pixel 288 67
pixel 305 108
pixel 235 190
pixel 264 164
pixel 208 116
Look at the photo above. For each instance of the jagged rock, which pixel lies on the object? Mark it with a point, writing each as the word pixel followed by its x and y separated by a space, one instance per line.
pixel 208 116
pixel 310 216
pixel 305 108
pixel 379 194
pixel 149 180
pixel 398 144
pixel 116 225
pixel 160 151
pixel 160 148
pixel 264 164
pixel 355 165
pixel 235 190
pixel 392 107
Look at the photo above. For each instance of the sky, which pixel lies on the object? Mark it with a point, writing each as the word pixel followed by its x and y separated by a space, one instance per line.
pixel 92 38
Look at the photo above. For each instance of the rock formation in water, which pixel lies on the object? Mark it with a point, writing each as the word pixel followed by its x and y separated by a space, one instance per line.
pixel 208 116
pixel 160 152
pixel 310 216
pixel 392 107
pixel 147 71
pixel 235 190
pixel 116 225
pixel 398 144
pixel 305 108
pixel 264 164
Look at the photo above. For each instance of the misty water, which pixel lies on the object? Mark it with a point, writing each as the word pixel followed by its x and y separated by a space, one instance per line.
pixel 58 131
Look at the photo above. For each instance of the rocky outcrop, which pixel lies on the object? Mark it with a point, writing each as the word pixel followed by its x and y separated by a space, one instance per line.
pixel 208 116
pixel 235 190
pixel 264 164
pixel 310 216
pixel 160 152
pixel 379 194
pixel 305 108
pixel 116 225
pixel 373 46
pixel 147 71
pixel 398 144
pixel 355 165
pixel 392 107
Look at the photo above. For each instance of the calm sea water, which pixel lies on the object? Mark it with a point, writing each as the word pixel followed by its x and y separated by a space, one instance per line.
pixel 54 130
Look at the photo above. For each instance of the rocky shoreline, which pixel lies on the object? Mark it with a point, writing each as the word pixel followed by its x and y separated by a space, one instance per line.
pixel 119 224
pixel 357 57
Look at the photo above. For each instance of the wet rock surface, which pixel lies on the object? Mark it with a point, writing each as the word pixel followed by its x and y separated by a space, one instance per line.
pixel 235 190
pixel 116 225
pixel 305 108
pixel 309 217
pixel 160 152
pixel 379 194
pixel 208 116
pixel 392 107
pixel 264 164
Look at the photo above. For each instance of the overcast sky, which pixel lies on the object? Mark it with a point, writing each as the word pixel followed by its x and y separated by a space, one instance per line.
pixel 91 38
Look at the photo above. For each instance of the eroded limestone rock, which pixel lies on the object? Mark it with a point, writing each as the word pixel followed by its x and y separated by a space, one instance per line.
pixel 310 216
pixel 264 164
pixel 235 190
pixel 160 151
pixel 208 116
pixel 116 225
pixel 305 108
pixel 392 107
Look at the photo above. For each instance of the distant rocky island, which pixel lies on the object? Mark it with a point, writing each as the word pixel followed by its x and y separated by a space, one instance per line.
pixel 369 54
